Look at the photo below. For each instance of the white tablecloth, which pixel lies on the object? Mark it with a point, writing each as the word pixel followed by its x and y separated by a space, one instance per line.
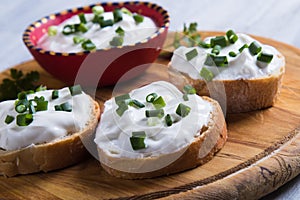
pixel 276 19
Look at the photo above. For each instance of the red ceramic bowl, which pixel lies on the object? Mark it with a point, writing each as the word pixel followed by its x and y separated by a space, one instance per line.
pixel 103 66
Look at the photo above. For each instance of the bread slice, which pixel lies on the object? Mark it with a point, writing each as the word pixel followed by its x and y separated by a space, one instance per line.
pixel 49 156
pixel 202 149
pixel 241 95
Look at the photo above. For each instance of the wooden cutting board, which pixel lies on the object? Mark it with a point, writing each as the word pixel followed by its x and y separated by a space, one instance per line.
pixel 261 154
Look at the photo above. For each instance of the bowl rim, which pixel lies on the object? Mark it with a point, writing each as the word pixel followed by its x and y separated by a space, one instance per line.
pixel 26 34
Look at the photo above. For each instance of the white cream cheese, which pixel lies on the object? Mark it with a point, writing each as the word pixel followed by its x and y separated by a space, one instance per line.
pixel 47 125
pixel 243 66
pixel 99 36
pixel 164 144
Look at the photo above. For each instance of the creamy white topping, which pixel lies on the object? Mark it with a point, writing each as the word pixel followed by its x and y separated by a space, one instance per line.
pixel 243 66
pixel 164 144
pixel 99 36
pixel 47 125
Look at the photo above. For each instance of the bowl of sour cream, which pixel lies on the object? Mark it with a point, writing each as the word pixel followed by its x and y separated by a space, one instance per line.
pixel 98 44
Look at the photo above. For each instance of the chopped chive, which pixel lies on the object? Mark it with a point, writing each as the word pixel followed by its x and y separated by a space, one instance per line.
pixel 232 54
pixel 185 97
pixel 105 23
pixel 58 108
pixel 41 88
pixel 24 119
pixel 9 119
pixel 31 109
pixel 122 108
pixel 68 29
pixel 41 105
pixel 183 110
pixel 168 120
pixel 155 113
pixel 52 30
pixel 98 19
pixel 88 45
pixel 191 54
pixel 21 108
pixel 75 90
pixel 204 45
pixel 117 13
pixel 116 41
pixel 188 89
pixel 243 47
pixel 82 18
pixel 22 96
pixel 66 107
pixel 219 40
pixel 120 31
pixel 82 28
pixel 216 50
pixel 135 103
pixel 159 102
pixel 126 11
pixel 41 98
pixel 219 61
pixel 254 48
pixel 151 97
pixel 55 94
pixel 98 10
pixel 209 61
pixel 265 57
pixel 232 37
pixel 77 39
pixel 137 140
pixel 206 74
pixel 138 18
pixel 121 98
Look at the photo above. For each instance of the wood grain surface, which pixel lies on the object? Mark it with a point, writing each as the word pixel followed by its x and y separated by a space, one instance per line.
pixel 261 154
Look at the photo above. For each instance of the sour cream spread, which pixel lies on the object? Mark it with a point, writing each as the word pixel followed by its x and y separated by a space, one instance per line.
pixel 47 125
pixel 243 66
pixel 101 37
pixel 164 144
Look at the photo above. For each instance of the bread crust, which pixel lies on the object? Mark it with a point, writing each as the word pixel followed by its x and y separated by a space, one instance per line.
pixel 211 139
pixel 242 95
pixel 49 156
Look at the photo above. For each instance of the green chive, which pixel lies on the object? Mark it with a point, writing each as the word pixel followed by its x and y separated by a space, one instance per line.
pixel 243 47
pixel 122 108
pixel 77 39
pixel 232 54
pixel 88 45
pixel 41 105
pixel 135 103
pixel 137 140
pixel 254 48
pixel 138 18
pixel 82 18
pixel 185 97
pixel 52 30
pixel 21 108
pixel 22 96
pixel 24 119
pixel 41 88
pixel 117 15
pixel 58 108
pixel 151 97
pixel 219 61
pixel 168 120
pixel 9 119
pixel 98 19
pixel 216 50
pixel 98 10
pixel 31 109
pixel 188 89
pixel 68 29
pixel 191 54
pixel 121 98
pixel 105 23
pixel 120 31
pixel 82 28
pixel 126 11
pixel 155 113
pixel 66 107
pixel 204 45
pixel 116 41
pixel 183 110
pixel 232 37
pixel 75 90
pixel 55 94
pixel 159 102
pixel 219 40
pixel 206 74
pixel 265 57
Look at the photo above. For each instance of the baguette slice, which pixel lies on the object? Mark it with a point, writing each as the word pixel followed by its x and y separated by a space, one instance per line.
pixel 202 149
pixel 242 95
pixel 49 156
